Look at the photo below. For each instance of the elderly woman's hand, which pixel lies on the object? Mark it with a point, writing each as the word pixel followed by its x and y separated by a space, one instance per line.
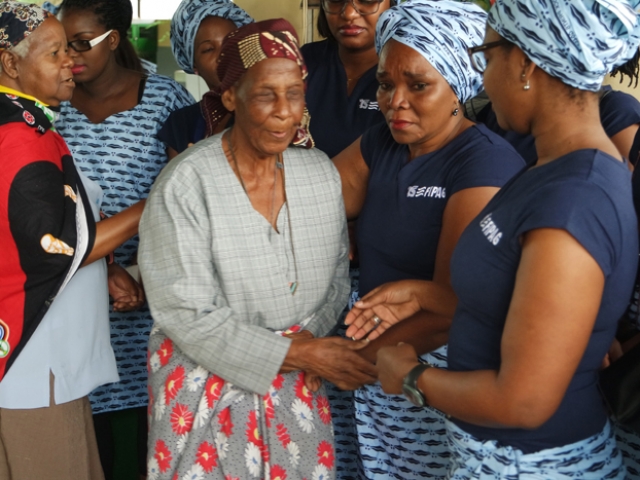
pixel 332 358
pixel 127 294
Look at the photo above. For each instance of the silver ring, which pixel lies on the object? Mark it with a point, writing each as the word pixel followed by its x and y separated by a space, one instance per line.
pixel 376 320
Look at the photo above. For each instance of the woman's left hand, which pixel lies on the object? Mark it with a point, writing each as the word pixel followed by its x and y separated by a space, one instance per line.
pixel 394 363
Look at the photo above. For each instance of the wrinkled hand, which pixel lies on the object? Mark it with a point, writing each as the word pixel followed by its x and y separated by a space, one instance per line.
pixel 391 303
pixel 127 294
pixel 332 358
pixel 394 363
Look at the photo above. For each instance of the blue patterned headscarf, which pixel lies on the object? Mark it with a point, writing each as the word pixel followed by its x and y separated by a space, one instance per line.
pixel 187 19
pixel 441 31
pixel 577 41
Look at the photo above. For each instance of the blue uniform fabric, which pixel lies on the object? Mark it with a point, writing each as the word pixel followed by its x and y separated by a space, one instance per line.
pixel 579 42
pixel 618 110
pixel 337 119
pixel 124 156
pixel 594 458
pixel 588 194
pixel 398 231
pixel 184 126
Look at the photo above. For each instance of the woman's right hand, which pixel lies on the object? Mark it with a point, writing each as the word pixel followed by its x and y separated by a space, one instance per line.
pixel 332 358
pixel 390 303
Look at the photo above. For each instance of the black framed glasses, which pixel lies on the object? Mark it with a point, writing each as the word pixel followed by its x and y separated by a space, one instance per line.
pixel 476 54
pixel 363 7
pixel 86 45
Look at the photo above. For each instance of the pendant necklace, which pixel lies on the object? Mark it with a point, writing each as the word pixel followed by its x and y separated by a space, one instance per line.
pixel 279 165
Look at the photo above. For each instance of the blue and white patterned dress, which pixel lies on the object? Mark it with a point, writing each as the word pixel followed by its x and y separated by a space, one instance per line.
pixel 124 156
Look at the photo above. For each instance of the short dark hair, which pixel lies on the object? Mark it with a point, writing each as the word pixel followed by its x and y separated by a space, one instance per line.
pixel 113 15
pixel 629 69
pixel 323 25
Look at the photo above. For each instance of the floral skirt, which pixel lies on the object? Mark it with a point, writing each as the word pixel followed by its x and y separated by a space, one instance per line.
pixel 202 427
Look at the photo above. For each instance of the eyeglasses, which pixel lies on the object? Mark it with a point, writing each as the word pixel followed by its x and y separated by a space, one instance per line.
pixel 478 60
pixel 86 45
pixel 363 7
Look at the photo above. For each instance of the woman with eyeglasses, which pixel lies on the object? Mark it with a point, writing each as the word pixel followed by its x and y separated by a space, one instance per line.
pixel 341 96
pixel 414 184
pixel 111 126
pixel 545 271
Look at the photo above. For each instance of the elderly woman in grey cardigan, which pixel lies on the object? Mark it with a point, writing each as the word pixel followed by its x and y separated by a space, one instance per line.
pixel 244 258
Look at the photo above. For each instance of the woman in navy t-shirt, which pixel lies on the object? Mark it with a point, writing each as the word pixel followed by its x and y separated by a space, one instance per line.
pixel 545 271
pixel 414 184
pixel 342 85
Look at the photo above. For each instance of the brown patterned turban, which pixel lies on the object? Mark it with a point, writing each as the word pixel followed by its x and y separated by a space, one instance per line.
pixel 241 50
pixel 18 21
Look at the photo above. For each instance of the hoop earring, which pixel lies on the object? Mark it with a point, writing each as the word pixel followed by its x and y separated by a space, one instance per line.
pixel 527 86
pixel 455 112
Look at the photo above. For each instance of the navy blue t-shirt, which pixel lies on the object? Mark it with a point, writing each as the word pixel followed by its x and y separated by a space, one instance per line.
pixel 588 194
pixel 337 119
pixel 618 110
pixel 183 126
pixel 400 222
pixel 634 156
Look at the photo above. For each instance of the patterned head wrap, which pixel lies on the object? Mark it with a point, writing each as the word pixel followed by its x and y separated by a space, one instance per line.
pixel 577 41
pixel 187 19
pixel 441 31
pixel 18 21
pixel 241 50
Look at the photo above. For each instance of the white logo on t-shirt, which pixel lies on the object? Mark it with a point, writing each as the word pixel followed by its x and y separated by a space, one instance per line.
pixel 429 192
pixel 490 230
pixel 368 104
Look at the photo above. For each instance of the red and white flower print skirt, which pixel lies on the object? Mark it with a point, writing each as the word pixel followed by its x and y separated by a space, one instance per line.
pixel 203 428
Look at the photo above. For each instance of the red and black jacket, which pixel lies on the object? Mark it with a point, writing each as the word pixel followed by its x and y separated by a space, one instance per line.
pixel 46 223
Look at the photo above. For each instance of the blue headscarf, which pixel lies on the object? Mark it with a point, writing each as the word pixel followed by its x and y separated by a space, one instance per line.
pixel 577 41
pixel 441 31
pixel 187 19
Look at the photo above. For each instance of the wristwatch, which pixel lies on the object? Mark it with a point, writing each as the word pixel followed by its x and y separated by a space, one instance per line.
pixel 410 385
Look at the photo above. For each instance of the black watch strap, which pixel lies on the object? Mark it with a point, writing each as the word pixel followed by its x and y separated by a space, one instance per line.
pixel 410 385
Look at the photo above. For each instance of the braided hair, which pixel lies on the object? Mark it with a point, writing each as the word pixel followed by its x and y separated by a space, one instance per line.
pixel 113 15
pixel 323 25
pixel 629 69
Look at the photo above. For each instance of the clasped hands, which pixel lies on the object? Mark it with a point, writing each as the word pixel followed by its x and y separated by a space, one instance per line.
pixel 127 294
pixel 331 358
pixel 337 360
